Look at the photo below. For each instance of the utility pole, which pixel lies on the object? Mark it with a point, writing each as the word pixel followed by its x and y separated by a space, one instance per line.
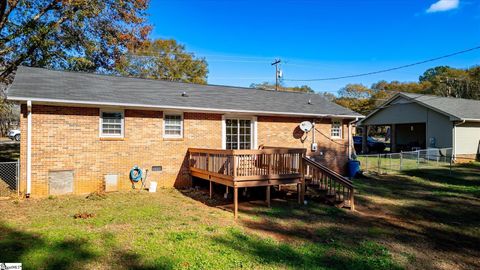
pixel 277 61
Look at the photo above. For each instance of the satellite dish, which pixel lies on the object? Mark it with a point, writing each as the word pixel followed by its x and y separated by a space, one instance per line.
pixel 306 126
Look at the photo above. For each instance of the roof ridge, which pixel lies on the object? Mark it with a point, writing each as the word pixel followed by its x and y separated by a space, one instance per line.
pixel 166 81
pixel 436 96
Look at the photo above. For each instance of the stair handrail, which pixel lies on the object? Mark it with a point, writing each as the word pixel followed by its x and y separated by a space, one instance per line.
pixel 333 174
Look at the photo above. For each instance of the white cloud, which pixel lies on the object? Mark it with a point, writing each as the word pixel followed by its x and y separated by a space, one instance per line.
pixel 443 5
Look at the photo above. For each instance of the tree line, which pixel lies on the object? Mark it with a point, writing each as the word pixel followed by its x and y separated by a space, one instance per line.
pixel 442 81
pixel 113 37
pixel 107 37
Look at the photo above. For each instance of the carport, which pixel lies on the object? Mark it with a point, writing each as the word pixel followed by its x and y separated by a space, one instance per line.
pixel 412 125
pixel 403 136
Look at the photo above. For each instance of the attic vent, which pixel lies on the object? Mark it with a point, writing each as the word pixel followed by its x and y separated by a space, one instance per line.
pixel 184 94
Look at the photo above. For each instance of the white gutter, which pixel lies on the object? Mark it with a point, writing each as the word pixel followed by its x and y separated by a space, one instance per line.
pixel 350 137
pixel 29 148
pixel 48 101
pixel 470 120
pixel 454 150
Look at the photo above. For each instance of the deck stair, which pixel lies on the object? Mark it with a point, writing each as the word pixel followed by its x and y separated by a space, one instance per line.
pixel 326 185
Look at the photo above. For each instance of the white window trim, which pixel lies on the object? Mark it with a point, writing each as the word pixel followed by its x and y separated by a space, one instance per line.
pixel 100 122
pixel 253 128
pixel 340 128
pixel 170 136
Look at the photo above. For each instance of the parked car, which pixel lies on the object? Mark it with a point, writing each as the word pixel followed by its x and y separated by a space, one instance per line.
pixel 14 134
pixel 373 145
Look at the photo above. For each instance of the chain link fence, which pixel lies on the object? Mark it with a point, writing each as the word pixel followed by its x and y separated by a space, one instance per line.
pixel 9 174
pixel 395 162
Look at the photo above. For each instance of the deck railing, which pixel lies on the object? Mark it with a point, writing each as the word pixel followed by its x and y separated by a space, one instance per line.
pixel 244 165
pixel 339 188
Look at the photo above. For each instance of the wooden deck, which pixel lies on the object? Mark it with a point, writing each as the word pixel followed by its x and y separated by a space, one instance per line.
pixel 249 168
pixel 270 166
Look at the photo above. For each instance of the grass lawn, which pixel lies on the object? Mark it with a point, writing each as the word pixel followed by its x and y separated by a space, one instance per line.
pixel 420 220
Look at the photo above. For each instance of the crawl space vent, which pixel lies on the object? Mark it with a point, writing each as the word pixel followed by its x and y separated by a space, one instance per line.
pixel 60 182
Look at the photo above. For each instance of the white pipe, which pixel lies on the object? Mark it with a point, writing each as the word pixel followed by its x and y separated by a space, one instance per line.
pixel 454 150
pixel 313 128
pixel 29 148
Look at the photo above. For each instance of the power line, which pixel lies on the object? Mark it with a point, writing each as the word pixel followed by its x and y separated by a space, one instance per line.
pixel 385 70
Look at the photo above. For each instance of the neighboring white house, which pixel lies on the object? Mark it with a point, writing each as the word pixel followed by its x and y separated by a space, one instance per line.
pixel 425 121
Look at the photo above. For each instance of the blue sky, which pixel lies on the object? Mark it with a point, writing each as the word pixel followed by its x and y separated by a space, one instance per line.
pixel 317 39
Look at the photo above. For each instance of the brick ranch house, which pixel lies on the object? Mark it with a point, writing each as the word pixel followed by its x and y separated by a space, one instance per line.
pixel 82 126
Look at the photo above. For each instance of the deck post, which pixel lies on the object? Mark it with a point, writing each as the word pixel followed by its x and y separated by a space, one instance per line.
pixel 235 202
pixel 298 192
pixel 268 196
pixel 301 186
pixel 302 191
pixel 234 167
pixel 352 200
pixel 210 189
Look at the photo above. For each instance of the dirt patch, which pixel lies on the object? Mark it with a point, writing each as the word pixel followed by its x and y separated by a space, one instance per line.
pixel 6 190
pixel 95 196
pixel 83 215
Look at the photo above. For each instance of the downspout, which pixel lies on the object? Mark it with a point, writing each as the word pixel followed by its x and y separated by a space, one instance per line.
pixel 454 151
pixel 350 137
pixel 29 148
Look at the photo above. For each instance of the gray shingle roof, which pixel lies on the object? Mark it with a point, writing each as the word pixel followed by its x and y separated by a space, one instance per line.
pixel 463 109
pixel 39 84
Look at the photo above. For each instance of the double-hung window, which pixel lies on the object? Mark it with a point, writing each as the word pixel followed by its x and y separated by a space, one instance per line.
pixel 111 124
pixel 173 125
pixel 336 129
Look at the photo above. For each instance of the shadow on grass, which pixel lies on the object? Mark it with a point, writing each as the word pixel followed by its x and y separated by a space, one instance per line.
pixel 18 246
pixel 201 193
pixel 395 209
pixel 36 252
pixel 365 255
pixel 461 175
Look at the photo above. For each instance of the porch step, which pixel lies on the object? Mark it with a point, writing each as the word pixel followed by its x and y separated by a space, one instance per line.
pixel 326 196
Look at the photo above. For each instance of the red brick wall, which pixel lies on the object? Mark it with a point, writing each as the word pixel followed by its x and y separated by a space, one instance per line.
pixel 284 131
pixel 67 138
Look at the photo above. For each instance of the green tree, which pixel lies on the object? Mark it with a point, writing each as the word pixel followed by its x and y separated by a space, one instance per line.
pixel 431 73
pixel 441 81
pixel 281 87
pixel 87 35
pixel 70 34
pixel 407 87
pixel 356 97
pixel 447 81
pixel 165 60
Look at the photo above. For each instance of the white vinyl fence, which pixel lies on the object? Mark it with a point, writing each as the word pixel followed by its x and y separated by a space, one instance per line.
pixel 395 162
pixel 9 173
